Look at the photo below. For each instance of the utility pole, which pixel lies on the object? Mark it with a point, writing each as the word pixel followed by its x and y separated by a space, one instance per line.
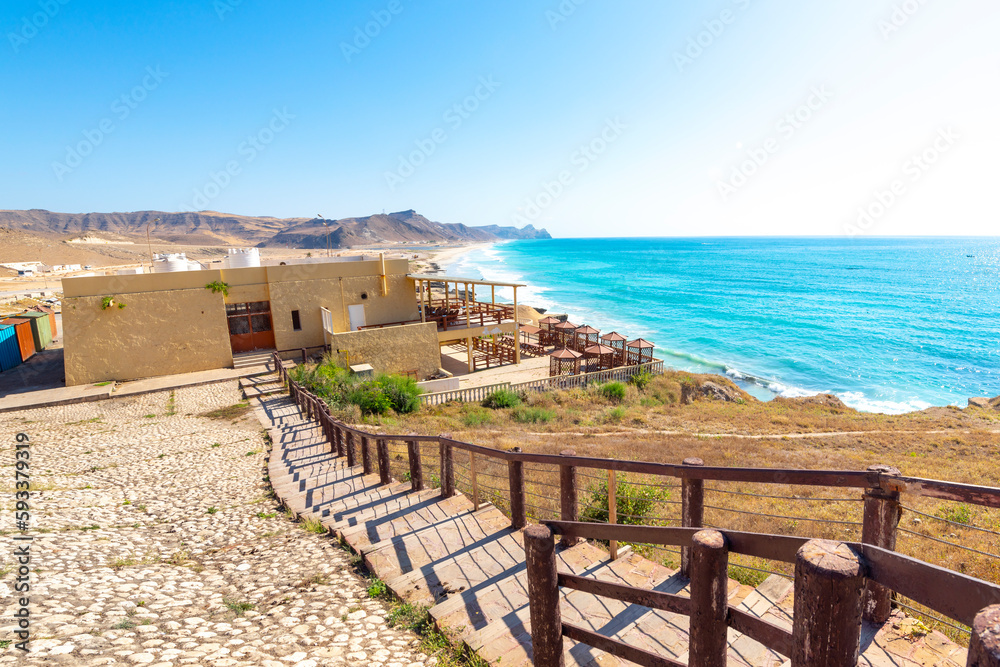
pixel 149 245
pixel 327 225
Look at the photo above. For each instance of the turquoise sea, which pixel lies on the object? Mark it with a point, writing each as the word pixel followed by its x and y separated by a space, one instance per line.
pixel 887 324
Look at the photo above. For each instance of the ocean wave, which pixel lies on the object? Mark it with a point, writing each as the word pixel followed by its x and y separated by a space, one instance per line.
pixel 861 403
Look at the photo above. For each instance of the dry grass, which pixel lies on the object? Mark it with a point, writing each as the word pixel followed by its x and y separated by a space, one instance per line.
pixel 652 425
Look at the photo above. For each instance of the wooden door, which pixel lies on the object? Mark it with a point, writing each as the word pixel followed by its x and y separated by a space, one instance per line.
pixel 250 326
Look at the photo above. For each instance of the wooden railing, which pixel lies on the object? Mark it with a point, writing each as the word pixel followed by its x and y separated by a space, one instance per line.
pixel 831 580
pixel 837 583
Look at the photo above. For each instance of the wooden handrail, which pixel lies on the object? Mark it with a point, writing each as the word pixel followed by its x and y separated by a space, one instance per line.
pixel 955 595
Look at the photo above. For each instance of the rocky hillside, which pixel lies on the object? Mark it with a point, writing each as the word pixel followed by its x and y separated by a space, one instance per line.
pixel 212 228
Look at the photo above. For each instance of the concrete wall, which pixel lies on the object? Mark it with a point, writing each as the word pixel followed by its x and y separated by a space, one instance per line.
pixel 157 333
pixel 394 349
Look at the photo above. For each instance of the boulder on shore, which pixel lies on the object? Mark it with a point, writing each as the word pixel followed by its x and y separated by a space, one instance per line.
pixel 985 403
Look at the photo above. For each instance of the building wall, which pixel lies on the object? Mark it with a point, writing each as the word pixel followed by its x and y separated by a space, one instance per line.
pixel 173 324
pixel 157 333
pixel 413 347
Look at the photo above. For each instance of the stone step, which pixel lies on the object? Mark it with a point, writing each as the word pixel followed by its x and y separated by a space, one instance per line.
pixel 491 600
pixel 368 530
pixel 449 538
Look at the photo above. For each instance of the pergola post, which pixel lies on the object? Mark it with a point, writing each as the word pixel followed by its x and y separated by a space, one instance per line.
pixel 517 331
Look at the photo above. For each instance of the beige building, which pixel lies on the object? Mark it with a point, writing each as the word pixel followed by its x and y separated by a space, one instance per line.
pixel 366 310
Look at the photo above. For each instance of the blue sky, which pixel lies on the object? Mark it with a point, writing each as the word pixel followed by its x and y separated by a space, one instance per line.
pixel 590 118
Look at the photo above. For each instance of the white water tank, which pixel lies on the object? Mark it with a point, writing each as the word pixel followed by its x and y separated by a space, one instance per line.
pixel 173 262
pixel 239 258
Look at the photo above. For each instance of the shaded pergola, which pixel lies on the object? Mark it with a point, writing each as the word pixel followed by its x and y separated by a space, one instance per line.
pixel 640 351
pixel 565 334
pixel 584 337
pixel 564 362
pixel 548 335
pixel 531 340
pixel 616 341
pixel 599 357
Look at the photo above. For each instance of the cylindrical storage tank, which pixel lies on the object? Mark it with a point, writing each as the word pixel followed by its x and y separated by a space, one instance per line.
pixel 41 329
pixel 10 353
pixel 170 263
pixel 239 258
pixel 25 340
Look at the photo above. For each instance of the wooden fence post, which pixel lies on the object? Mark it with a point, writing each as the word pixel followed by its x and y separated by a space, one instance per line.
pixel 709 599
pixel 612 511
pixel 543 597
pixel 349 445
pixel 447 456
pixel 829 586
pixel 881 518
pixel 515 476
pixel 692 510
pixel 416 470
pixel 303 356
pixel 984 647
pixel 474 480
pixel 366 455
pixel 382 447
pixel 569 508
pixel 339 437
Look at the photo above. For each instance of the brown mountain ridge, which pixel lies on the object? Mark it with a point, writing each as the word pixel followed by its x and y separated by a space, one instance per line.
pixel 214 228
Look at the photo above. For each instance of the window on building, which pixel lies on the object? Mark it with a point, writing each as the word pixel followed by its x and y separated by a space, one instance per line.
pixel 296 324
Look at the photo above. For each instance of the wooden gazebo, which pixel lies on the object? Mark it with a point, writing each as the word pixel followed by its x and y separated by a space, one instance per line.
pixel 565 334
pixel 564 362
pixel 616 341
pixel 640 351
pixel 547 325
pixel 599 357
pixel 584 337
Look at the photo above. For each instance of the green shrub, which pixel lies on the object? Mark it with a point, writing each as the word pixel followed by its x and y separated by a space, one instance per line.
pixel 961 513
pixel 613 391
pixel 615 415
pixel 526 415
pixel 641 379
pixel 403 392
pixel 371 399
pixel 635 503
pixel 502 398
pixel 477 417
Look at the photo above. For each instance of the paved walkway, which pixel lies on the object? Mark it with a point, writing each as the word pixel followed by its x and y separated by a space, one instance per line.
pixel 95 392
pixel 156 542
pixel 467 565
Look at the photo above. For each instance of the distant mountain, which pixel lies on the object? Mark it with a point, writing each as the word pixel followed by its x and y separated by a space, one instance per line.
pixel 526 232
pixel 212 228
pixel 204 227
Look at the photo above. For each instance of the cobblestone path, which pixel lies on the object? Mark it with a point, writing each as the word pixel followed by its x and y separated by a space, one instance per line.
pixel 156 543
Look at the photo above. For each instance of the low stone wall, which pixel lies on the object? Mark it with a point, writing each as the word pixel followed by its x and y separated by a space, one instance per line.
pixel 411 347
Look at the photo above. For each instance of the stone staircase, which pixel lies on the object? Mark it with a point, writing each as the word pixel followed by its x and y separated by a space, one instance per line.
pixel 468 566
pixel 251 359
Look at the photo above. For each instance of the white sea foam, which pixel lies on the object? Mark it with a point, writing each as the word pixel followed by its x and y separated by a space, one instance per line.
pixel 862 403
